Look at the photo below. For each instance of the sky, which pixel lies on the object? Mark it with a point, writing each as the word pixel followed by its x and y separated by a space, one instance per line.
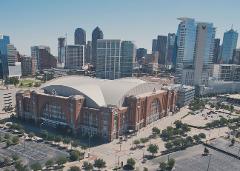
pixel 41 22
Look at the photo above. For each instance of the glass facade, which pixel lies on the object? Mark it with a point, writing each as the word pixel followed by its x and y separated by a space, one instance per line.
pixel 4 41
pixel 229 44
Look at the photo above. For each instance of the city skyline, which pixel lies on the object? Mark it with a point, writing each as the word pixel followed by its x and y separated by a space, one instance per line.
pixel 140 25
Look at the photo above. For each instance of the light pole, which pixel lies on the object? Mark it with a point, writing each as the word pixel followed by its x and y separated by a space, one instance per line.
pixel 209 161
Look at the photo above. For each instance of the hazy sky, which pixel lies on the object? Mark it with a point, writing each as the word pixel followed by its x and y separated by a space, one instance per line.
pixel 41 22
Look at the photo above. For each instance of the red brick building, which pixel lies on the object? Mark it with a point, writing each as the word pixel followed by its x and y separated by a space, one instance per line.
pixel 107 108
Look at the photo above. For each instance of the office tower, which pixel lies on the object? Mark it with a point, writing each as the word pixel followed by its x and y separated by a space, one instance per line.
pixel 150 63
pixel 74 56
pixel 236 56
pixel 4 41
pixel 12 55
pixel 174 57
pixel 229 44
pixel 128 54
pixel 80 37
pixel 186 37
pixel 28 65
pixel 160 45
pixel 216 51
pixel 141 52
pixel 203 56
pixel 108 59
pixel 170 48
pixel 88 54
pixel 35 53
pixel 61 50
pixel 96 34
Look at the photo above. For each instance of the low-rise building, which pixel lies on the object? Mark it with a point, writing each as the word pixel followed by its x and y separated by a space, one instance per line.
pixel 226 72
pixel 107 108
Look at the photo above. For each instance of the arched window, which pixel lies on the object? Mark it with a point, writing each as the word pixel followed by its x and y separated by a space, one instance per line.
pixel 155 105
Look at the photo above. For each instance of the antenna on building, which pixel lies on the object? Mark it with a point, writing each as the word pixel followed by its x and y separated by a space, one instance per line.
pixel 232 27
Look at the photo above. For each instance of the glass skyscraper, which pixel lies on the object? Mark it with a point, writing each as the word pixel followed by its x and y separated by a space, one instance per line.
pixel 4 41
pixel 229 44
pixel 96 35
pixel 80 37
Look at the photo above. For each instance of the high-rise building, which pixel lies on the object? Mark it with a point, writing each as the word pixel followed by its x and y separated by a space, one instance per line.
pixel 74 56
pixel 229 44
pixel 160 45
pixel 35 53
pixel 4 41
pixel 186 38
pixel 108 59
pixel 12 55
pixel 96 35
pixel 236 56
pixel 128 54
pixel 61 50
pixel 170 48
pixel 141 52
pixel 80 37
pixel 28 65
pixel 46 60
pixel 88 54
pixel 203 56
pixel 216 51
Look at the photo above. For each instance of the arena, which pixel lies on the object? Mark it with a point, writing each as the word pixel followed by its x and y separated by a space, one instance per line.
pixel 107 108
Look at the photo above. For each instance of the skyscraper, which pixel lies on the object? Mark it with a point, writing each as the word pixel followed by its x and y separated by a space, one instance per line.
pixel 35 52
pixel 74 56
pixel 96 34
pixel 141 52
pixel 186 38
pixel 160 45
pixel 203 56
pixel 4 41
pixel 79 37
pixel 61 50
pixel 216 51
pixel 12 55
pixel 170 48
pixel 108 59
pixel 229 44
pixel 88 54
pixel 128 54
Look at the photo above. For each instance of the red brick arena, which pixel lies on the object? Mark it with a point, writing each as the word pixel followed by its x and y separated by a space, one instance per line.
pixel 107 108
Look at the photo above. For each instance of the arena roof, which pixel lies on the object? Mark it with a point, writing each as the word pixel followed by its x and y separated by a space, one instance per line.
pixel 99 92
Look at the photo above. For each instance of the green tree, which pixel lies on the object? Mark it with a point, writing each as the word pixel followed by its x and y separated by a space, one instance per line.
pixel 153 148
pixel 74 143
pixel 206 151
pixel 196 138
pixel 20 167
pixel 233 141
pixel 36 166
pixel 7 136
pixel 75 155
pixel 178 124
pixel 136 142
pixel 143 140
pixel 131 162
pixel 99 163
pixel 163 166
pixel 168 145
pixel 15 140
pixel 66 140
pixel 202 135
pixel 145 169
pixel 155 131
pixel 58 139
pixel 8 143
pixel 31 135
pixel 74 168
pixel 171 163
pixel 15 157
pixel 87 166
pixel 61 161
pixel 49 163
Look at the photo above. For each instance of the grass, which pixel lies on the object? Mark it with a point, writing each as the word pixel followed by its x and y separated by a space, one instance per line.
pixel 27 83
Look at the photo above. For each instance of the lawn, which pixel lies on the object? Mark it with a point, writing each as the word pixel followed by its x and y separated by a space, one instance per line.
pixel 28 83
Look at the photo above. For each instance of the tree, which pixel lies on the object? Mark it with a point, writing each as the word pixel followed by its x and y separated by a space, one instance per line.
pixel 99 163
pixel 15 157
pixel 36 166
pixel 87 166
pixel 61 161
pixel 196 138
pixel 74 143
pixel 189 140
pixel 15 140
pixel 153 148
pixel 136 142
pixel 74 168
pixel 178 124
pixel 44 134
pixel 206 151
pixel 143 140
pixel 145 169
pixel 131 162
pixel 20 167
pixel 171 163
pixel 202 135
pixel 168 145
pixel 66 140
pixel 75 155
pixel 7 136
pixel 232 142
pixel 49 163
pixel 163 166
pixel 7 161
pixel 155 131
pixel 8 143
pixel 58 139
